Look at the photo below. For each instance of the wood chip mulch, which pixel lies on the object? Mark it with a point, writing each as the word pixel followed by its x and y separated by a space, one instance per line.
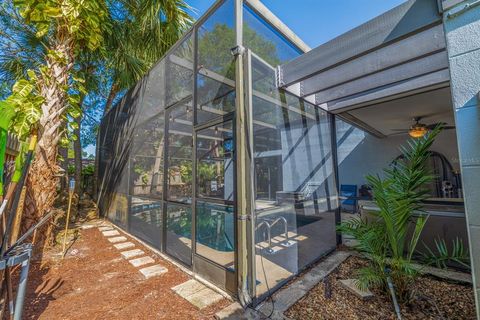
pixel 95 282
pixel 441 300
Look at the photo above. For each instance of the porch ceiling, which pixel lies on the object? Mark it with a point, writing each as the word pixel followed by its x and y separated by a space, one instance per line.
pixel 383 119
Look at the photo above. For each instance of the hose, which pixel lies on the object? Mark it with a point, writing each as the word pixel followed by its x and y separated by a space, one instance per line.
pixel 392 293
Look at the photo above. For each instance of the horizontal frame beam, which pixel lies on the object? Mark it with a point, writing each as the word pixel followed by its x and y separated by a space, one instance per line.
pixel 435 62
pixel 277 24
pixel 394 25
pixel 434 80
pixel 422 44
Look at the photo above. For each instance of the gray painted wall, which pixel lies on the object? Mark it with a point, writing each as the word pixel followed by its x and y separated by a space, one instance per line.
pixel 462 30
pixel 360 153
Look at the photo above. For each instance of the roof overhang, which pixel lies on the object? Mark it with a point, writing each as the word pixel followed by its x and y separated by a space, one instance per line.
pixel 398 52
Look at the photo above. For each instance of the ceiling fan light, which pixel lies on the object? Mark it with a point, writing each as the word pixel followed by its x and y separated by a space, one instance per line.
pixel 418 132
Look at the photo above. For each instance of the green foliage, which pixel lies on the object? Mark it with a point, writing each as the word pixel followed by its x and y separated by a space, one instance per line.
pixel 185 169
pixel 66 27
pixel 214 48
pixel 83 21
pixel 458 254
pixel 88 170
pixel 140 171
pixel 142 32
pixel 384 237
pixel 20 48
pixel 207 172
pixel 26 103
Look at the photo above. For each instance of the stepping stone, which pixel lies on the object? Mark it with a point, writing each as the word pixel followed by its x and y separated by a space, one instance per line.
pixel 141 261
pixel 153 271
pixel 105 228
pixel 350 285
pixel 124 245
pixel 111 233
pixel 117 239
pixel 188 288
pixel 132 253
pixel 204 298
pixel 197 294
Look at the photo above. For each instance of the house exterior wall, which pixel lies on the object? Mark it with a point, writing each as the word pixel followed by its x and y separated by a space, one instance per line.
pixel 360 153
pixel 462 30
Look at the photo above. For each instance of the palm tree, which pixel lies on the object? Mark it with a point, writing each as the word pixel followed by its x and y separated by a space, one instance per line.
pixel 144 32
pixel 45 97
pixel 21 49
pixel 385 237
pixel 50 47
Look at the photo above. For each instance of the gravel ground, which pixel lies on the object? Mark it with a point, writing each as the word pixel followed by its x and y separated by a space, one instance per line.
pixel 454 301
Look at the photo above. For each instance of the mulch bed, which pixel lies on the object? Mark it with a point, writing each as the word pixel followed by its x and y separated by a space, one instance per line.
pixel 454 301
pixel 97 283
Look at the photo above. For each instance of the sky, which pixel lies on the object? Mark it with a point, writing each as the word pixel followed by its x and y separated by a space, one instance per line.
pixel 317 21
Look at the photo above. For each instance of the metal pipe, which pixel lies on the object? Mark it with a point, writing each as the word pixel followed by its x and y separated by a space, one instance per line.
pixel 22 289
pixel 392 293
pixel 285 223
pixel 67 221
pixel 269 234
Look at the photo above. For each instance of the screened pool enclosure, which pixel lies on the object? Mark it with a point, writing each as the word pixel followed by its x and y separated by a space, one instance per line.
pixel 206 160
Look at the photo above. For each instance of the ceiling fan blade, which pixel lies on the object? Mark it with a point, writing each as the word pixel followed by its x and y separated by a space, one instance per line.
pixel 397 133
pixel 433 125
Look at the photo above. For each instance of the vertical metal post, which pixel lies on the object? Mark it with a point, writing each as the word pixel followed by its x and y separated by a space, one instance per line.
pixel 194 143
pixel 333 134
pixel 22 289
pixel 71 189
pixel 251 222
pixel 242 162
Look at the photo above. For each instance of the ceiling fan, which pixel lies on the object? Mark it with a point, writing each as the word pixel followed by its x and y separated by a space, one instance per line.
pixel 418 129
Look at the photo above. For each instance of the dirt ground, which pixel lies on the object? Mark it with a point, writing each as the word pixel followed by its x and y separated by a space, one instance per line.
pixel 95 282
pixel 454 301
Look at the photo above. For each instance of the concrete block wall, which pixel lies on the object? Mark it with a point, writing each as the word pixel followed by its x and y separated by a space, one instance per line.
pixel 462 30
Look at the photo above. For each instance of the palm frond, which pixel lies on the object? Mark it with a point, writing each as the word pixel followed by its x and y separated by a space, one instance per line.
pixel 443 255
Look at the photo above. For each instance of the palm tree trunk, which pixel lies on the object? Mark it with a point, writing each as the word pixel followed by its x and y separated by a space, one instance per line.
pixel 43 175
pixel 111 97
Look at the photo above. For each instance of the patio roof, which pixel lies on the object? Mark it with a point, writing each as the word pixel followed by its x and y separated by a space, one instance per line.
pixel 400 52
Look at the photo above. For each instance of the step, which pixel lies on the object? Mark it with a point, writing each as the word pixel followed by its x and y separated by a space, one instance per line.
pixel 124 245
pixel 111 233
pixel 203 298
pixel 153 271
pixel 105 228
pixel 197 293
pixel 138 262
pixel 188 288
pixel 132 253
pixel 117 239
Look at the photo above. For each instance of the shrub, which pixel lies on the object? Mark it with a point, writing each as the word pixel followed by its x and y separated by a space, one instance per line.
pixel 384 237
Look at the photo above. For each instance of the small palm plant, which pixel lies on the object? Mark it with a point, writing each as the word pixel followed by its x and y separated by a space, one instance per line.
pixel 384 238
